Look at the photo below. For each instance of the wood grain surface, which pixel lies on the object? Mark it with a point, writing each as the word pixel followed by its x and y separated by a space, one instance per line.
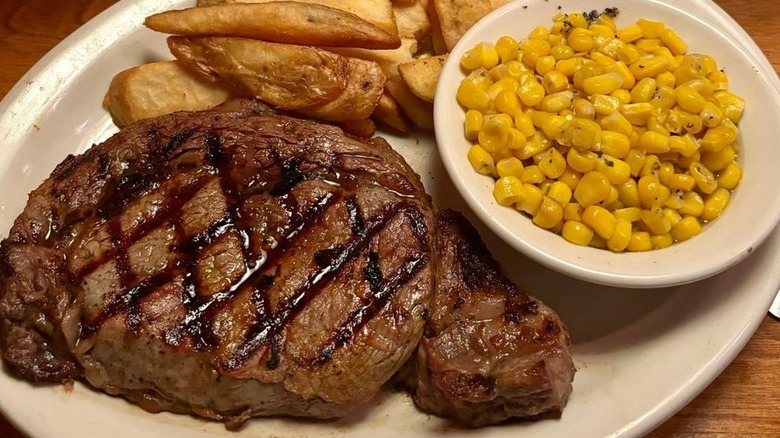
pixel 743 401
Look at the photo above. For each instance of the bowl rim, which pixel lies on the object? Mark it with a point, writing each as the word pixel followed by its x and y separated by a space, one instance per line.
pixel 727 29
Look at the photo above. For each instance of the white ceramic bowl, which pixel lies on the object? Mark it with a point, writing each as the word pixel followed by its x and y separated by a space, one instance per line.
pixel 755 205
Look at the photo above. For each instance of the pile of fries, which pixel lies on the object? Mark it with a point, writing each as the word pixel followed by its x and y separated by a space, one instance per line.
pixel 348 62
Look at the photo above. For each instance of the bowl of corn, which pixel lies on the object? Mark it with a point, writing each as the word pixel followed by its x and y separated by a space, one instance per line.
pixel 631 145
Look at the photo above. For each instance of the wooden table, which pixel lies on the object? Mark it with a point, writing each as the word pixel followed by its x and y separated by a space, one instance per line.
pixel 744 400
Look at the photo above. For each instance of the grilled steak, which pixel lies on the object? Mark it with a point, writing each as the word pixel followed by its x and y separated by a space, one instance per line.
pixel 490 352
pixel 228 263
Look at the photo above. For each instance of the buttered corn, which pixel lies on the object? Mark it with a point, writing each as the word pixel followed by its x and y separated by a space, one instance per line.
pixel 615 138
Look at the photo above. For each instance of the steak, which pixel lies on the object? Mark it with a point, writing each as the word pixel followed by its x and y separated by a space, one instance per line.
pixel 226 263
pixel 490 352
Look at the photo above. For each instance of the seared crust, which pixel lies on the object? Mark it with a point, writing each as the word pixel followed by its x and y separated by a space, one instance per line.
pixel 490 352
pixel 229 263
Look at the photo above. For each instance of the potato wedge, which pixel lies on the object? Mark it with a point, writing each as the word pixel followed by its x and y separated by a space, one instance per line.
pixel 437 39
pixel 361 128
pixel 378 12
pixel 419 111
pixel 389 113
pixel 457 16
pixel 388 60
pixel 412 21
pixel 280 22
pixel 285 76
pixel 158 88
pixel 365 83
pixel 422 75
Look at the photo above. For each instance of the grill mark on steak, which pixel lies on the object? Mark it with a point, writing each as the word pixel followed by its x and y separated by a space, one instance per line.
pixel 269 328
pixel 382 292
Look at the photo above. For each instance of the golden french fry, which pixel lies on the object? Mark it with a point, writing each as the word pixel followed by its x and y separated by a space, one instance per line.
pixel 437 39
pixel 412 20
pixel 159 88
pixel 388 60
pixel 389 113
pixel 365 82
pixel 422 75
pixel 361 128
pixel 417 110
pixel 283 75
pixel 378 12
pixel 457 16
pixel 280 22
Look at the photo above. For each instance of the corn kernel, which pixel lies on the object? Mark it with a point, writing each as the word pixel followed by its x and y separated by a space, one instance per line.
pixel 651 191
pixel 636 159
pixel 568 67
pixel 643 90
pixel 688 227
pixel 689 99
pixel 561 51
pixel 552 163
pixel 647 45
pixel 508 190
pixel 557 102
pixel 731 104
pixel 481 160
pixel 472 97
pixel 532 201
pixel 715 203
pixel 600 220
pixel 604 104
pixel 560 192
pixel 650 29
pixel 617 122
pixel 524 124
pixel 554 81
pixel 664 98
pixel 717 161
pixel 640 241
pixel 661 240
pixel 588 69
pixel 572 212
pixel 580 39
pixel 549 214
pixel 584 109
pixel 685 145
pixel 534 145
pixel 730 176
pixel 673 41
pixel 655 220
pixel 530 91
pixel 592 189
pixel 693 204
pixel 507 102
pixel 602 84
pixel 509 167
pixel 619 239
pixel 681 181
pixel 630 33
pixel 577 233
pixel 636 113
pixel 570 177
pixel 654 143
pixel 494 134
pixel 623 96
pixel 719 137
pixel 615 144
pixel 629 214
pixel 649 67
pixel 506 47
pixel 473 124
pixel 666 79
pixel 581 134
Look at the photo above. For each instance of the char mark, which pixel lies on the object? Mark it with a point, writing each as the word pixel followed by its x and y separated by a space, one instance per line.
pixel 382 293
pixel 291 176
pixel 270 328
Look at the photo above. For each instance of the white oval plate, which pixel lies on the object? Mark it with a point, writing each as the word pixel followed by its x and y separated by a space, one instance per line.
pixel 641 354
